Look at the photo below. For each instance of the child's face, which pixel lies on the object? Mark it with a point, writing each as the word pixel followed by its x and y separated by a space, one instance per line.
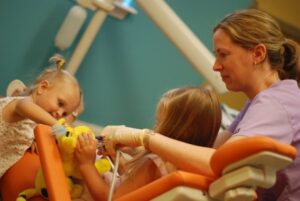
pixel 58 99
pixel 73 116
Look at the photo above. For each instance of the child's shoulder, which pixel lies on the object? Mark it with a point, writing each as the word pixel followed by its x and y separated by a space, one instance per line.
pixel 5 100
pixel 8 117
pixel 9 102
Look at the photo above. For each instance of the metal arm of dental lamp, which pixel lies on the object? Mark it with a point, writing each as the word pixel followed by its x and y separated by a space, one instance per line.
pixel 184 40
pixel 167 21
pixel 101 10
pixel 74 21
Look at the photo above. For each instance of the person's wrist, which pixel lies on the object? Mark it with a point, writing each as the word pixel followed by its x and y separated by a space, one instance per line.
pixel 146 138
pixel 87 166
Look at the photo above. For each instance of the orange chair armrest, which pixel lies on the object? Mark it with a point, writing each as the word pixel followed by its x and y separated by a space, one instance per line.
pixel 51 164
pixel 240 149
pixel 163 184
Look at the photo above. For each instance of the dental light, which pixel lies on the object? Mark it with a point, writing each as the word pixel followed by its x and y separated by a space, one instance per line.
pixel 75 19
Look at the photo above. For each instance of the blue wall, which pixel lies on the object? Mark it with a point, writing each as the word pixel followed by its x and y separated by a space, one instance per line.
pixel 129 66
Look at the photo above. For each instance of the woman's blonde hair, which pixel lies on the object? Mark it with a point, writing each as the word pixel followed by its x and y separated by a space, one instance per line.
pixel 251 27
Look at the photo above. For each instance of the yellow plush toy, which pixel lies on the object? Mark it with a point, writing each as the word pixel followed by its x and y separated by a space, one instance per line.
pixel 66 140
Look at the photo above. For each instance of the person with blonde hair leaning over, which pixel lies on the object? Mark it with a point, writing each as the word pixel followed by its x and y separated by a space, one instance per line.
pixel 254 57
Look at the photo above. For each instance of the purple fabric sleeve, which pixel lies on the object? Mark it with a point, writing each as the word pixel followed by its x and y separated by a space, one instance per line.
pixel 239 117
pixel 265 116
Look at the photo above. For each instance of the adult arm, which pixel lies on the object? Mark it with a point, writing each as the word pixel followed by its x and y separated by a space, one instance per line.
pixel 183 155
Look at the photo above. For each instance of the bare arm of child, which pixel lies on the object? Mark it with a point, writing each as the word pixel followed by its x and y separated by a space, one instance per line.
pixel 26 109
pixel 145 174
pixel 85 155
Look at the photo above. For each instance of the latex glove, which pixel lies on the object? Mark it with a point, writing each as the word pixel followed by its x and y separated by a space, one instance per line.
pixel 121 135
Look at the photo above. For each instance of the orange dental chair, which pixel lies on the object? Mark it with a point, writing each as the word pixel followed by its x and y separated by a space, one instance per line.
pixel 22 175
pixel 240 167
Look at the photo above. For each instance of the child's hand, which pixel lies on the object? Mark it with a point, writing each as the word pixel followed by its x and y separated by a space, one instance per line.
pixel 33 147
pixel 85 151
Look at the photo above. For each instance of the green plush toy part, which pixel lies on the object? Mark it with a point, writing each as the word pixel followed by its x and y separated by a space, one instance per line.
pixel 66 142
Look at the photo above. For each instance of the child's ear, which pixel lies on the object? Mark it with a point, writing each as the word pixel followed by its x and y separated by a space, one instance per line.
pixel 42 86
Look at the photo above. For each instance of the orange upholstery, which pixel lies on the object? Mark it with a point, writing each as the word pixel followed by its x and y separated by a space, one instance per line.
pixel 227 154
pixel 57 186
pixel 19 177
pixel 52 167
pixel 156 188
pixel 237 150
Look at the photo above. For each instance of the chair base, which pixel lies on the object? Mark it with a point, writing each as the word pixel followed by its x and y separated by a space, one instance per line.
pixel 183 193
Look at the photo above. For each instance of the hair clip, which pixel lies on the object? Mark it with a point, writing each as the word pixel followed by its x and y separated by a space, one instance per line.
pixel 60 63
pixel 58 60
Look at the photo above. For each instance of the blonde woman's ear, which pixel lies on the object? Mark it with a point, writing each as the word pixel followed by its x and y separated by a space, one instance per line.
pixel 260 53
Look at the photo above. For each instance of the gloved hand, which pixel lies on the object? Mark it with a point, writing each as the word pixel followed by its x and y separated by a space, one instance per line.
pixel 122 135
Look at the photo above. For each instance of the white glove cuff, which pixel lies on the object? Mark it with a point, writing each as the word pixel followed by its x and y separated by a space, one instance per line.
pixel 145 138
